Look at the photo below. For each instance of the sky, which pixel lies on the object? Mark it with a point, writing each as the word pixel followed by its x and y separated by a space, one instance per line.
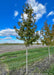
pixel 10 15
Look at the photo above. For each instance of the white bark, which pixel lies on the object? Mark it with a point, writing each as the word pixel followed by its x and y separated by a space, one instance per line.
pixel 26 60
pixel 49 52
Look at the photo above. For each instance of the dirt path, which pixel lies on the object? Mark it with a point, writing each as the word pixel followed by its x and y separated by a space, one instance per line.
pixel 11 48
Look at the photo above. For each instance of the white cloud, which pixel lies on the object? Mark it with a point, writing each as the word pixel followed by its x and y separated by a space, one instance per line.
pixel 50 13
pixel 38 8
pixel 6 38
pixel 39 33
pixel 11 41
pixel 14 41
pixel 20 20
pixel 16 13
pixel 25 16
pixel 53 20
pixel 38 16
pixel 8 32
pixel 11 32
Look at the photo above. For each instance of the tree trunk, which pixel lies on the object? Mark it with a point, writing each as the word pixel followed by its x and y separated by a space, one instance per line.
pixel 49 52
pixel 26 61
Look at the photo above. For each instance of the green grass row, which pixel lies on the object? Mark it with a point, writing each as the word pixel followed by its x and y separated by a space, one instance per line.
pixel 15 60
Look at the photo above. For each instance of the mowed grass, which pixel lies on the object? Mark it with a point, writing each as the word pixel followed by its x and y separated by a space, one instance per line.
pixel 17 59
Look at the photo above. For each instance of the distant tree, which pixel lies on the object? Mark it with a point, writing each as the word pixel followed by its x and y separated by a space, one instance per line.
pixel 46 33
pixel 27 29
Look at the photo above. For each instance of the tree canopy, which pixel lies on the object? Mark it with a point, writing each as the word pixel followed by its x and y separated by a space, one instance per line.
pixel 47 34
pixel 27 26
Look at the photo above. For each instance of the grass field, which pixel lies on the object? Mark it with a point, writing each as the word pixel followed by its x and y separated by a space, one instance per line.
pixel 15 60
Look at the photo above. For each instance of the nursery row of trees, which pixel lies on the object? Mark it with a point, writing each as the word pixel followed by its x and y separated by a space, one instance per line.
pixel 47 33
pixel 28 33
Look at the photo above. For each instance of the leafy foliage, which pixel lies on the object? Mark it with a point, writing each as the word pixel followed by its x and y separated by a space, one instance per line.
pixel 27 26
pixel 47 34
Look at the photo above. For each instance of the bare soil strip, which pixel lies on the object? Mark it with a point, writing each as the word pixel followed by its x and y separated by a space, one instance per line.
pixel 11 48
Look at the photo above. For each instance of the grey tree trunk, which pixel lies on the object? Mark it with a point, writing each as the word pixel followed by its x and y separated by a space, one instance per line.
pixel 49 52
pixel 26 61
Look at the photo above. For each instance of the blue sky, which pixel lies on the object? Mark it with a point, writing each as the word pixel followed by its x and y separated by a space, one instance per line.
pixel 10 14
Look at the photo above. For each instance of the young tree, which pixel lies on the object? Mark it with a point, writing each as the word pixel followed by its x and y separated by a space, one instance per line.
pixel 27 29
pixel 46 33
